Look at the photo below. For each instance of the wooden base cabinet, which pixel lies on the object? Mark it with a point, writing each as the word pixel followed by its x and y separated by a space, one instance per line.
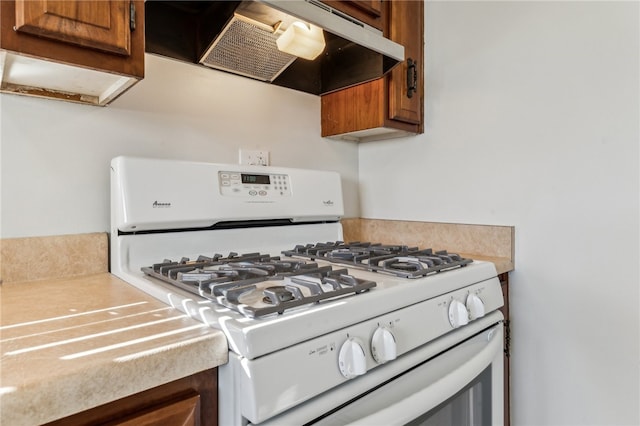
pixel 191 401
pixel 392 106
pixel 504 282
pixel 87 51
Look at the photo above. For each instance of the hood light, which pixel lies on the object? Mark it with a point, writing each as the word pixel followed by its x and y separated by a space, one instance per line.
pixel 301 40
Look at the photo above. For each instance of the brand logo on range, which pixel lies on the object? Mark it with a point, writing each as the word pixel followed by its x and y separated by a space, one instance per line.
pixel 328 203
pixel 159 205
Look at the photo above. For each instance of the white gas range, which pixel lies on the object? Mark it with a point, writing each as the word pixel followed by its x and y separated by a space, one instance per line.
pixel 312 322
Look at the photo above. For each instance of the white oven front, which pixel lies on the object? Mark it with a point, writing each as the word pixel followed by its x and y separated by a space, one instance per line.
pixel 462 386
pixel 456 379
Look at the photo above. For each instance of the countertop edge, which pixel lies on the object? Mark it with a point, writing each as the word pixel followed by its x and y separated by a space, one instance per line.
pixel 41 400
pixel 104 384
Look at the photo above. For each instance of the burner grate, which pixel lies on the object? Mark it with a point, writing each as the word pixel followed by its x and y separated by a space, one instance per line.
pixel 228 280
pixel 399 260
pixel 326 283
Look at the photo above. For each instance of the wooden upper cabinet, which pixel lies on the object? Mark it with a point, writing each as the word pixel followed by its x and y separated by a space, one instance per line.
pixel 87 51
pixel 368 11
pixel 392 106
pixel 100 24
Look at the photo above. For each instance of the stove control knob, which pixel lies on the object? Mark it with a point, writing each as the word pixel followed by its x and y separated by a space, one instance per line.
pixel 458 314
pixel 383 345
pixel 475 306
pixel 352 359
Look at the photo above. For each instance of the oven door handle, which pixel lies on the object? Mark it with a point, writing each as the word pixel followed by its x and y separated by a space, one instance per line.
pixel 437 392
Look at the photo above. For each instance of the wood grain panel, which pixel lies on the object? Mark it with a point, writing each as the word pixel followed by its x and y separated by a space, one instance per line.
pixel 367 11
pixel 70 53
pixel 356 108
pixel 184 412
pixel 99 24
pixel 406 15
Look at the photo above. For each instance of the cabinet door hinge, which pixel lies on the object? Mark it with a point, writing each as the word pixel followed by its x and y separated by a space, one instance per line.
pixel 132 16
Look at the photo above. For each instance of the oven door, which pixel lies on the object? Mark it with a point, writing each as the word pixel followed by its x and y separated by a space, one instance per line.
pixel 461 385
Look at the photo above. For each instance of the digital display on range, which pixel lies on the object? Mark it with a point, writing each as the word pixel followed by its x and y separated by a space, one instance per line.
pixel 255 179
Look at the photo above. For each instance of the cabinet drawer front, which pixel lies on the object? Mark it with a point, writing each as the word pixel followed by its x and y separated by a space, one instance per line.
pixel 99 24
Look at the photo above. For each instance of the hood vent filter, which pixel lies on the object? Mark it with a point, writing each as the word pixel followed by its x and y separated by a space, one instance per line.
pixel 247 49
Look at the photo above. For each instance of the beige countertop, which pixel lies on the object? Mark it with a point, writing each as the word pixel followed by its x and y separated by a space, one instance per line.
pixel 71 344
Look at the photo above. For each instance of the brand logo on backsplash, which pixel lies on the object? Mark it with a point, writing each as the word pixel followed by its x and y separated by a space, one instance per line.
pixel 328 203
pixel 158 205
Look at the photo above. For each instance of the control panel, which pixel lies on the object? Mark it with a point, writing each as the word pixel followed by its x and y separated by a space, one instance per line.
pixel 254 185
pixel 383 339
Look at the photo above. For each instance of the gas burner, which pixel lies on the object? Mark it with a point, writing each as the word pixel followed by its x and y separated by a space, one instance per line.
pixel 276 295
pixel 245 283
pixel 399 260
pixel 325 283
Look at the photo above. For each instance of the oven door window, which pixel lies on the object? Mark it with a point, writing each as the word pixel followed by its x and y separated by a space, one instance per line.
pixel 462 386
pixel 470 406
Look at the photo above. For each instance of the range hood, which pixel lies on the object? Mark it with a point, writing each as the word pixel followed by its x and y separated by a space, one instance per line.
pixel 240 37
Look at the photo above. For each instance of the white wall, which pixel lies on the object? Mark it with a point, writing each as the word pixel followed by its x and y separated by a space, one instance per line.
pixel 532 120
pixel 55 155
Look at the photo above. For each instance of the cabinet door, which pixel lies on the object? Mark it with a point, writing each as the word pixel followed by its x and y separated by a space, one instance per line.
pixel 98 24
pixel 368 11
pixel 185 412
pixel 374 7
pixel 406 80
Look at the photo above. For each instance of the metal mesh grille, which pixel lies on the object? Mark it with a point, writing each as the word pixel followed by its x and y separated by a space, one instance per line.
pixel 245 49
